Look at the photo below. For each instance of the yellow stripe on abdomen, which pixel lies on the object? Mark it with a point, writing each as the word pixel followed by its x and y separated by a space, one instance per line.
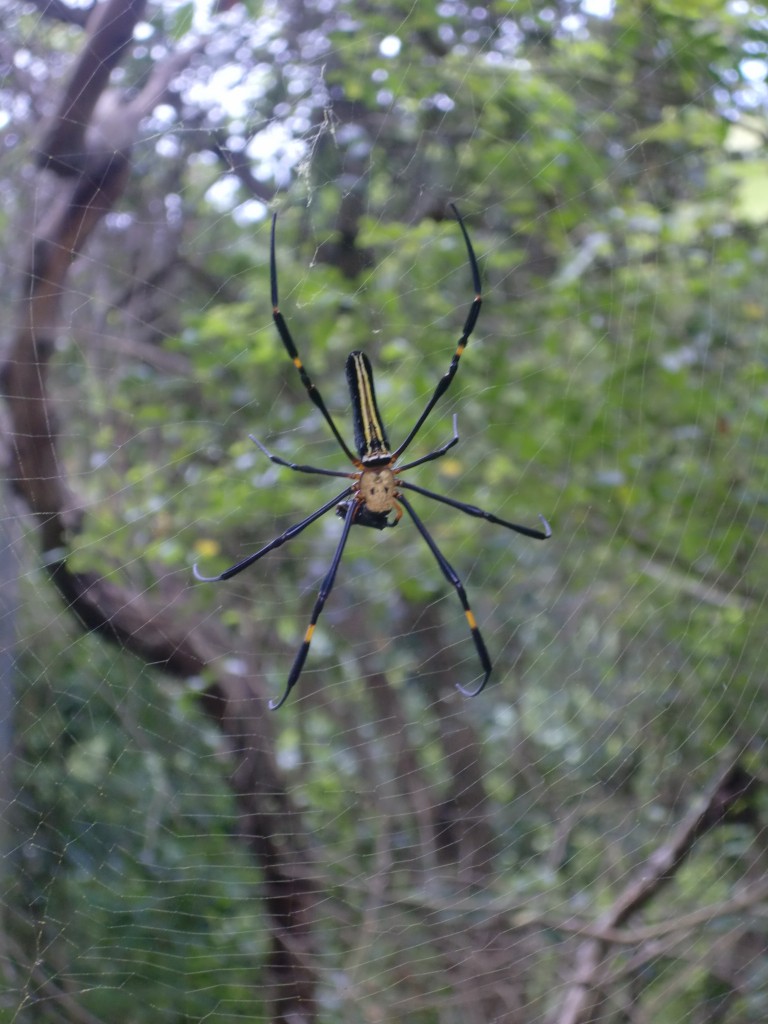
pixel 371 438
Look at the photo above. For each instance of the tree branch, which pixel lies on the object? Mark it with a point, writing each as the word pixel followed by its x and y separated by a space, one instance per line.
pixel 57 10
pixel 88 145
pixel 62 148
pixel 583 997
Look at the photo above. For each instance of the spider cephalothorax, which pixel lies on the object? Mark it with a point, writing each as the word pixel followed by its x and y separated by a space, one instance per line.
pixel 375 497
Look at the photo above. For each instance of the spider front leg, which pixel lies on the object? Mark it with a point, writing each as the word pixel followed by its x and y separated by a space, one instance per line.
pixel 450 574
pixel 322 597
pixel 289 534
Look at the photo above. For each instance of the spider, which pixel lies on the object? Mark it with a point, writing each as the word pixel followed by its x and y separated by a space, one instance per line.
pixel 375 497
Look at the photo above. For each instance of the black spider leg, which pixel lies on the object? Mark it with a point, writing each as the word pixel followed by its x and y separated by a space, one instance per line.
pixel 450 574
pixel 289 534
pixel 322 597
pixel 469 326
pixel 285 334
pixel 298 468
pixel 438 453
pixel 479 513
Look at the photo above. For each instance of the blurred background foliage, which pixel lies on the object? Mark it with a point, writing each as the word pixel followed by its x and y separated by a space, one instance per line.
pixel 610 164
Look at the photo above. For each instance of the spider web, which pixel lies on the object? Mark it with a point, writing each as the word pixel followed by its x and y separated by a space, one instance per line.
pixel 583 841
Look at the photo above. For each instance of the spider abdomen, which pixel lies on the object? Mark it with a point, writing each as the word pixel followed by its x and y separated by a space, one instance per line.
pixel 370 437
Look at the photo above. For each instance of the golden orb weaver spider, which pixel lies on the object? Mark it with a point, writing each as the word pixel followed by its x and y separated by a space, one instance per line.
pixel 376 492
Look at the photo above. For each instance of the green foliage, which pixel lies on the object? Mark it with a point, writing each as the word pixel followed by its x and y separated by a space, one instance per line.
pixel 617 383
pixel 124 852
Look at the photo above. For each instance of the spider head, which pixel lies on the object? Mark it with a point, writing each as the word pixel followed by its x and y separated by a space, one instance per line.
pixel 365 517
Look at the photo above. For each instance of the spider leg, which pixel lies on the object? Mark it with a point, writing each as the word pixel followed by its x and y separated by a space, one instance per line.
pixel 451 576
pixel 322 597
pixel 438 453
pixel 479 513
pixel 285 334
pixel 289 534
pixel 299 469
pixel 469 326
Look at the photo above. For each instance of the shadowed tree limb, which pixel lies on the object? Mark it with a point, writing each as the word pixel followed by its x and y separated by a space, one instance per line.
pixel 62 147
pixel 59 10
pixel 87 146
pixel 584 996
